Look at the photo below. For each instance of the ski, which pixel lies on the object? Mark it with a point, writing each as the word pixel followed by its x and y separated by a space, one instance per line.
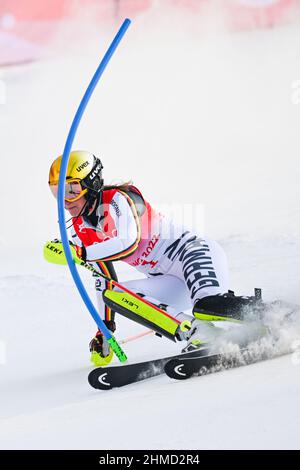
pixel 106 378
pixel 182 368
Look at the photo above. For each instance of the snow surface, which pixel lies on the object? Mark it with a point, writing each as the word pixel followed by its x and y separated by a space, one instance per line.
pixel 192 116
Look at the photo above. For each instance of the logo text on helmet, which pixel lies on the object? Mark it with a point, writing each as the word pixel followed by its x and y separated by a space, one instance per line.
pixel 82 166
pixel 95 172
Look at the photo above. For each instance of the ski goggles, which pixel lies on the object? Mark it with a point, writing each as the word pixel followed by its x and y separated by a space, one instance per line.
pixel 73 190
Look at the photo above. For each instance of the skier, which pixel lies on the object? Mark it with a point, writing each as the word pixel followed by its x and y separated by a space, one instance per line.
pixel 183 270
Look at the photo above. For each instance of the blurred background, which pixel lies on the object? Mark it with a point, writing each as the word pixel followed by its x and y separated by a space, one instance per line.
pixel 28 27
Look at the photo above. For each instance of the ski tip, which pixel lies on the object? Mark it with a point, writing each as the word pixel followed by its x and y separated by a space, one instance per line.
pixel 97 378
pixel 175 369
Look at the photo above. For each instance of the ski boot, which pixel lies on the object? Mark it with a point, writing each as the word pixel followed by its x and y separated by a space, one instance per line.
pixel 223 307
pixel 201 335
pixel 229 307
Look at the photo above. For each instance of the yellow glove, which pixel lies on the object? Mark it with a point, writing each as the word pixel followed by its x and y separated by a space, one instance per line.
pixel 101 352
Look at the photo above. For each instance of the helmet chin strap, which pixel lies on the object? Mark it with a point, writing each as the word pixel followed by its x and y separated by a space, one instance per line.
pixel 85 210
pixel 90 202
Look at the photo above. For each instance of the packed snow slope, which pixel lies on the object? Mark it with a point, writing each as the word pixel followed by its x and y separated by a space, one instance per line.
pixel 192 116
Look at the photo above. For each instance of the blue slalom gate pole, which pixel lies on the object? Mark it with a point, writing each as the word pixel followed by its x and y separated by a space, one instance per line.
pixel 61 191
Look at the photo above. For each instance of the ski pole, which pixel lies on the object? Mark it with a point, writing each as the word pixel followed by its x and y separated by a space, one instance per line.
pixel 61 192
pixel 138 336
pixel 54 253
